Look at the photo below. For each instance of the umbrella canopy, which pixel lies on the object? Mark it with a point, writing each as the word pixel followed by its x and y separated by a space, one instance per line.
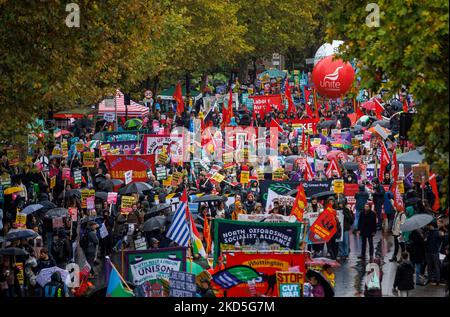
pixel 106 185
pixel 159 208
pixel 47 205
pixel 327 124
pixel 57 213
pixel 101 195
pixel 416 222
pixel 324 195
pixel 133 124
pixel 138 187
pixel 117 182
pixel 337 154
pixel 71 193
pixel 18 234
pixel 57 156
pixel 31 208
pixel 383 123
pixel 154 223
pixel 193 267
pixel 13 251
pixel 322 281
pixel 12 190
pixel 59 133
pixel 45 275
pixel 322 261
pixel 411 157
pixel 207 198
pixel 351 165
pixel 97 219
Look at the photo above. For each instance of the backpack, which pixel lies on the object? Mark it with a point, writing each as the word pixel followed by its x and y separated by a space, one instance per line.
pixel 54 291
pixel 84 241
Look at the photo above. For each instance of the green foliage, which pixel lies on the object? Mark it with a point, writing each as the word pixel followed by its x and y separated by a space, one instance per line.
pixel 411 48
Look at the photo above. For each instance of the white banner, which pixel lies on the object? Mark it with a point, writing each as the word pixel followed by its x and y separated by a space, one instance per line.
pixel 153 269
pixel 267 218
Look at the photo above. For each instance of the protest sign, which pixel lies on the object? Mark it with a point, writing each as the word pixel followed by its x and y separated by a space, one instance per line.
pixel 20 271
pixel 156 144
pixel 401 187
pixel 325 226
pixel 140 244
pixel 266 218
pixel 77 178
pixel 21 220
pixel 90 202
pixel 153 265
pixel 64 148
pixel 127 204
pixel 128 177
pixel 324 132
pixel 266 103
pixel 182 284
pixel 162 158
pixel 338 186
pixel 176 178
pixel 52 182
pixel 278 174
pixel 243 235
pixel 112 198
pixel 290 284
pixel 266 264
pixel 283 200
pixel 421 173
pixel 103 231
pixel 66 173
pixel 79 146
pixel 219 177
pixel 85 193
pixel 88 159
pixel 168 181
pixel 73 213
pixel 139 164
pixel 244 177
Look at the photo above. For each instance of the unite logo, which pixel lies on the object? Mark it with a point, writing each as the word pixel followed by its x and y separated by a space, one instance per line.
pixel 329 81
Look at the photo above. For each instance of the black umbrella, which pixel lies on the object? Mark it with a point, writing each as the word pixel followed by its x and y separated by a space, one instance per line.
pixel 138 187
pixel 328 290
pixel 106 185
pixel 154 223
pixel 71 193
pixel 57 213
pixel 158 208
pixel 97 219
pixel 327 124
pixel 351 165
pixel 47 205
pixel 207 198
pixel 117 182
pixel 324 195
pixel 13 251
pixel 18 234
pixel 101 195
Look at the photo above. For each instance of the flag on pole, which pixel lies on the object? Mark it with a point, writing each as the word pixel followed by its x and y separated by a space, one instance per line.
pixel 196 242
pixel 227 111
pixel 288 94
pixel 394 168
pixel 179 229
pixel 309 175
pixel 300 202
pixel 384 161
pixel 378 108
pixel 316 106
pixel 207 235
pixel 115 285
pixel 178 97
pixel 274 124
pixel 398 200
pixel 434 188
pixel 405 105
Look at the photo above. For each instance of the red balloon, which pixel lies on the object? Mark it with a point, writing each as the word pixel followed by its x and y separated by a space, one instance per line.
pixel 333 78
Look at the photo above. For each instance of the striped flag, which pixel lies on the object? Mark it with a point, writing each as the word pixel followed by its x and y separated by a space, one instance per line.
pixel 179 229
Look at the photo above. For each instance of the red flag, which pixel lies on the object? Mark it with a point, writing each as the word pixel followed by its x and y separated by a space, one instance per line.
pixel 398 200
pixel 207 235
pixel 434 188
pixel 327 107
pixel 287 90
pixel 228 111
pixel 332 166
pixel 324 227
pixel 274 124
pixel 384 161
pixel 316 106
pixel 300 203
pixel 309 175
pixel 405 105
pixel 178 96
pixel 394 168
pixel 307 107
pixel 378 108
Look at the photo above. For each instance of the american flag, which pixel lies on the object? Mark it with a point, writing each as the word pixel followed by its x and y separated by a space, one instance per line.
pixel 134 109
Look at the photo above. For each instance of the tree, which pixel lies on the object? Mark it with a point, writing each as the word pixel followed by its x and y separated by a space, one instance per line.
pixel 410 47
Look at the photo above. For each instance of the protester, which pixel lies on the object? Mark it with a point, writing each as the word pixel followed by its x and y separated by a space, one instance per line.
pixel 367 229
pixel 404 276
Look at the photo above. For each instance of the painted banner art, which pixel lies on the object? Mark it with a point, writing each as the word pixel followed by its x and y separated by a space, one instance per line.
pixel 139 164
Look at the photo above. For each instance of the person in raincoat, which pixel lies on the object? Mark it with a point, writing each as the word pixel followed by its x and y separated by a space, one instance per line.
pixel 399 220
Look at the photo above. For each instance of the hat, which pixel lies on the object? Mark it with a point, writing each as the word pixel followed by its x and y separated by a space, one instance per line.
pixel 250 194
pixel 154 240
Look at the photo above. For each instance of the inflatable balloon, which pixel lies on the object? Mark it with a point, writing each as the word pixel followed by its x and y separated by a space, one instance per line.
pixel 333 78
pixel 326 50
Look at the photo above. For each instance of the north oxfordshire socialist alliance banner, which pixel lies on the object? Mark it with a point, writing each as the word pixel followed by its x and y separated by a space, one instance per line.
pixel 139 164
pixel 243 235
pixel 267 264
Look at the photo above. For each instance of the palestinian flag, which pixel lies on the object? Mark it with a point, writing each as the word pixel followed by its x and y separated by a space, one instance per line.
pixel 235 275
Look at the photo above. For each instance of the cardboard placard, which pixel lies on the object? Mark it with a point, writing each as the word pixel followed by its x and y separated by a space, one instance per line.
pixel 140 244
pixel 162 158
pixel 421 173
pixel 127 204
pixel 161 173
pixel 278 174
pixel 168 181
pixel 79 146
pixel 290 284
pixel 338 186
pixel 260 172
pixel 73 213
pixel 112 198
pixel 182 284
pixel 21 220
pixel 245 177
pixel 64 148
pixel 88 159
pixel 128 177
pixel 176 178
pixel 90 202
pixel 218 177
pixel 66 173
pixel 85 193
pixel 401 187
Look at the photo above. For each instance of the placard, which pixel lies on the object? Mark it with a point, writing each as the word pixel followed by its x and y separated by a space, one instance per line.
pixel 324 132
pixel 278 174
pixel 290 284
pixel 355 142
pixel 21 220
pixel 103 231
pixel 128 177
pixel 162 158
pixel 245 177
pixel 52 182
pixel 140 244
pixel 88 159
pixel 20 275
pixel 79 146
pixel 421 173
pixel 90 202
pixel 127 204
pixel 73 213
pixel 260 172
pixel 176 178
pixel 85 193
pixel 66 173
pixel 168 181
pixel 77 178
pixel 401 187
pixel 338 186
pixel 182 284
pixel 112 198
pixel 161 173
pixel 64 148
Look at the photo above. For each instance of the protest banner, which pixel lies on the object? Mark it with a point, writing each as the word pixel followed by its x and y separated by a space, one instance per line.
pixel 338 186
pixel 182 284
pixel 21 220
pixel 120 136
pixel 88 159
pixel 264 104
pixel 85 193
pixel 149 267
pixel 112 198
pixel 266 218
pixel 13 157
pixel 290 284
pixel 243 235
pixel 121 147
pixel 126 205
pixel 156 144
pixel 324 227
pixel 139 164
pixel 267 264
pixel 128 177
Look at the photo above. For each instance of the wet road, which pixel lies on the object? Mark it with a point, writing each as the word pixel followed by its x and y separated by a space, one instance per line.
pixel 350 275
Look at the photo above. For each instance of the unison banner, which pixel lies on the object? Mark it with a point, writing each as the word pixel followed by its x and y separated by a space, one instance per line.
pixel 243 235
pixel 144 268
pixel 267 264
pixel 139 164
